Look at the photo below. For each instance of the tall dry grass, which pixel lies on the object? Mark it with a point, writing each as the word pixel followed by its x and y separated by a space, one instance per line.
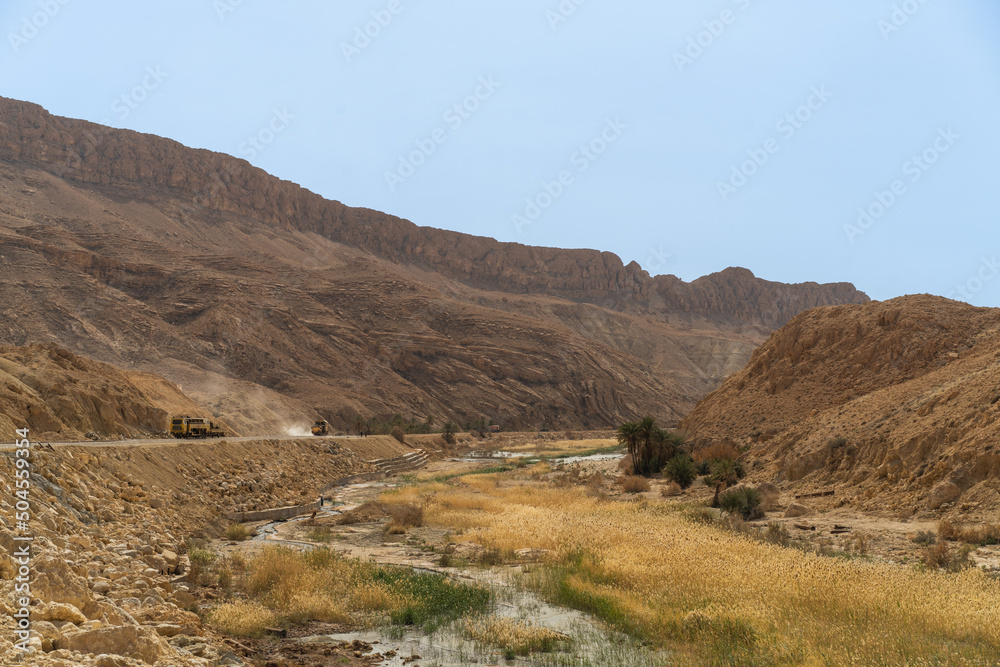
pixel 715 596
pixel 284 586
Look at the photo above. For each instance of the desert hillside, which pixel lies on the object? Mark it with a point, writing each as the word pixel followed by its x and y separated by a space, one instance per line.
pixel 265 301
pixel 892 404
pixel 62 396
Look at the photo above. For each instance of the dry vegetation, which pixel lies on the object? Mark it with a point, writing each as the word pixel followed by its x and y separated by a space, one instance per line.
pixel 635 484
pixel 982 534
pixel 514 637
pixel 559 447
pixel 716 596
pixel 285 587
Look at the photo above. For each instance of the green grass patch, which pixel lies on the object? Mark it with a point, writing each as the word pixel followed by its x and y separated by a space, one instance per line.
pixel 433 600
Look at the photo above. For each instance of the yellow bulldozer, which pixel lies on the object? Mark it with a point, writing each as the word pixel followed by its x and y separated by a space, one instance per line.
pixel 195 427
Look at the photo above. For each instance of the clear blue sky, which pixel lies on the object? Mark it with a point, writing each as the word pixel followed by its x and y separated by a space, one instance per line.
pixel 821 105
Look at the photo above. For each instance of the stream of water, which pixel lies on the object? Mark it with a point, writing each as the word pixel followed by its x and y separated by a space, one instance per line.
pixel 588 643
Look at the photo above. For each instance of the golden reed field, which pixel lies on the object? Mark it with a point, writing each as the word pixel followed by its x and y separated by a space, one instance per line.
pixel 711 596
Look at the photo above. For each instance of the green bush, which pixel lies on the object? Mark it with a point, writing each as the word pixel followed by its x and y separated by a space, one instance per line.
pixel 681 469
pixel 743 501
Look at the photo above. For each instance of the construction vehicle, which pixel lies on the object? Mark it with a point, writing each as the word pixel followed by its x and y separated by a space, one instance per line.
pixel 195 427
pixel 320 428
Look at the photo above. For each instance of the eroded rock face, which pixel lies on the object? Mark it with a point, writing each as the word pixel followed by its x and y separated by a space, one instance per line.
pixel 894 405
pixel 202 268
pixel 63 396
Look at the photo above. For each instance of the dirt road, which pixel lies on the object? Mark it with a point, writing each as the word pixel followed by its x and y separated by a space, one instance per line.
pixel 174 441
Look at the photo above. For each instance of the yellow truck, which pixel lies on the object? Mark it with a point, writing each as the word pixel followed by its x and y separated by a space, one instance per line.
pixel 320 428
pixel 195 427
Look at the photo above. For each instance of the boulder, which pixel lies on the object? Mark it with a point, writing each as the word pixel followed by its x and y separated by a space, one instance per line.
pixel 797 509
pixel 55 581
pixel 58 611
pixel 943 493
pixel 106 660
pixel 47 632
pixel 128 641
pixel 532 555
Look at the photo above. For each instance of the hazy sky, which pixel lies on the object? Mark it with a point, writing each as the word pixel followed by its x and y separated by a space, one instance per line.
pixel 847 140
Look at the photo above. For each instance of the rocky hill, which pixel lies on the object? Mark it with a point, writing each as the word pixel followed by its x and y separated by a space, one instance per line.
pixel 894 405
pixel 261 298
pixel 61 396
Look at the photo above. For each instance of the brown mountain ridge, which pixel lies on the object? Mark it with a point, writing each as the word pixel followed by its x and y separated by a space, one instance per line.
pixel 268 303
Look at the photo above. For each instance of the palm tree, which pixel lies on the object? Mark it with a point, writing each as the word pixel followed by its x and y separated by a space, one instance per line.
pixel 725 474
pixel 627 434
pixel 647 433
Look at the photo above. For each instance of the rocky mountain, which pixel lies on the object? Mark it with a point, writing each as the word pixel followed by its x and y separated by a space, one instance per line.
pixel 894 405
pixel 259 297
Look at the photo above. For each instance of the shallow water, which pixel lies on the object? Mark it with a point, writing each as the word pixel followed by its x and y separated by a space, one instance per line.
pixel 590 644
pixel 589 459
pixel 502 455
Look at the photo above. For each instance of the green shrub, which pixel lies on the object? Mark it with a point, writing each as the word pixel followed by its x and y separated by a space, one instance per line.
pixel 201 556
pixel 742 501
pixel 681 469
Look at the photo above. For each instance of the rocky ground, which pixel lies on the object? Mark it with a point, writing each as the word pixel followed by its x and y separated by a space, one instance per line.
pixel 113 527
